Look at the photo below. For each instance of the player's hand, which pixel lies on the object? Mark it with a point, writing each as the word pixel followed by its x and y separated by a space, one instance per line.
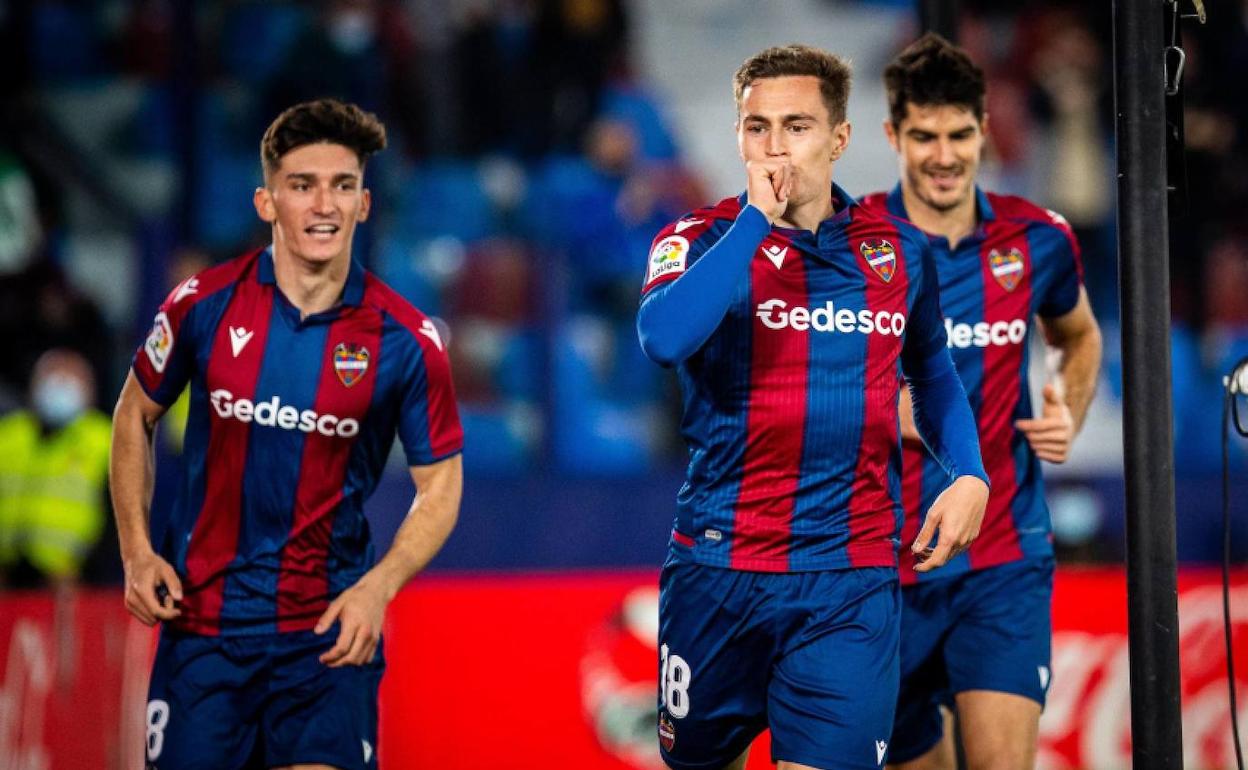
pixel 768 184
pixel 1050 434
pixel 359 611
pixel 152 587
pixel 957 513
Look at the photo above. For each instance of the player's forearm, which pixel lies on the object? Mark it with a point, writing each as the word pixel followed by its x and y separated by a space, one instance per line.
pixel 678 318
pixel 425 529
pixel 1078 367
pixel 132 474
pixel 944 417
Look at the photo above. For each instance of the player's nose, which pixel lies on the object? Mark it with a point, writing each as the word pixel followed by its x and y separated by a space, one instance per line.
pixel 776 146
pixel 322 201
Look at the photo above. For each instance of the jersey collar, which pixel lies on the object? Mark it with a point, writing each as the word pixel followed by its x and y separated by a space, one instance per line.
pixel 843 205
pixel 983 207
pixel 352 293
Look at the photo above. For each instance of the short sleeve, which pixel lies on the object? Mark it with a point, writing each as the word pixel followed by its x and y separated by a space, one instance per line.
pixel 1066 264
pixel 429 426
pixel 164 362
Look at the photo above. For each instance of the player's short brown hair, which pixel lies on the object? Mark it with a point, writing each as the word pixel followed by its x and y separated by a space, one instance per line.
pixel 834 74
pixel 322 120
pixel 931 71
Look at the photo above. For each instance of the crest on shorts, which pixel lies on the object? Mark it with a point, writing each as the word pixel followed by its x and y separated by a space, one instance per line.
pixel 667 732
pixel 881 256
pixel 350 362
pixel 1006 268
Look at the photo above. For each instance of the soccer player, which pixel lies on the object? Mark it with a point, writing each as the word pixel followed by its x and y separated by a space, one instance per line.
pixel 302 367
pixel 791 314
pixel 978 632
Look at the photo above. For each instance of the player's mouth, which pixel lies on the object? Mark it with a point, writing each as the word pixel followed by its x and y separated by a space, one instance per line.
pixel 322 232
pixel 945 180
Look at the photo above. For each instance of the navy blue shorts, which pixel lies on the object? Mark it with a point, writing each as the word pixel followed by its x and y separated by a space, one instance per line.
pixel 990 629
pixel 221 703
pixel 812 655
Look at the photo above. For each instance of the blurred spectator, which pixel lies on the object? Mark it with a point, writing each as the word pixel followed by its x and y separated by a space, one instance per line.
pixel 53 473
pixel 20 232
pixel 40 310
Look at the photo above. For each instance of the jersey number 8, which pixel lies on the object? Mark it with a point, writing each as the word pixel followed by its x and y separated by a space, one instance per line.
pixel 157 719
pixel 674 680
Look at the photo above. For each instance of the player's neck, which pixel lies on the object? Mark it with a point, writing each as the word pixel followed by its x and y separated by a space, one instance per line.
pixel 954 224
pixel 312 287
pixel 807 216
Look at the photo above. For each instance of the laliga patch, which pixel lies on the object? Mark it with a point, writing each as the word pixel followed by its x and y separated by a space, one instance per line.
pixel 668 257
pixel 1006 268
pixel 881 256
pixel 667 733
pixel 350 362
pixel 159 343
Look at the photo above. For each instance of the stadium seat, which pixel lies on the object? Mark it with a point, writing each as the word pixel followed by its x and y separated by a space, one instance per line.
pixel 279 25
pixel 443 198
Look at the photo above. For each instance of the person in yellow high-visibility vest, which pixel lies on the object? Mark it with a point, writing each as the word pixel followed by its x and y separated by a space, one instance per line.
pixel 53 472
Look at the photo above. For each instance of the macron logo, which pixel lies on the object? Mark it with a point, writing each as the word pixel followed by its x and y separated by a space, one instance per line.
pixel 880 748
pixel 776 254
pixel 368 752
pixel 239 337
pixel 185 289
pixel 685 224
pixel 431 331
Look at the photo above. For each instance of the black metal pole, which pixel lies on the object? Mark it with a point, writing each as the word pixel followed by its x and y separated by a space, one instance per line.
pixel 1152 593
pixel 941 17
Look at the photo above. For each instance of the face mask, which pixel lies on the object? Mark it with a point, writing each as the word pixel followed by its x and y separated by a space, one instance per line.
pixel 58 400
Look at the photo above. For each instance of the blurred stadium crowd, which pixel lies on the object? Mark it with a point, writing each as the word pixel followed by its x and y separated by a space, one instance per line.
pixel 531 161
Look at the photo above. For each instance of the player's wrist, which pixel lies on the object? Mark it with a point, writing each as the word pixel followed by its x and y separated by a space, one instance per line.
pixel 136 549
pixel 758 221
pixel 974 479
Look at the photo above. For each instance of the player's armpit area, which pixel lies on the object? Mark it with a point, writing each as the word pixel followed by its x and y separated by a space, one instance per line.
pixel 1076 337
pixel 134 402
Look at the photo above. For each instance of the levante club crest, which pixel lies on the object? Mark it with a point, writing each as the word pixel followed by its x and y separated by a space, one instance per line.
pixel 1006 268
pixel 881 256
pixel 350 362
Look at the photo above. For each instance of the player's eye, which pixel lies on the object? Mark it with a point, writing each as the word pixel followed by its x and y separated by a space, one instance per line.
pixel 755 128
pixel 799 128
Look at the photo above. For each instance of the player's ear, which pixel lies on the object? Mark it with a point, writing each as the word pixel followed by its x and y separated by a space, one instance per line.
pixel 366 204
pixel 840 139
pixel 262 199
pixel 890 132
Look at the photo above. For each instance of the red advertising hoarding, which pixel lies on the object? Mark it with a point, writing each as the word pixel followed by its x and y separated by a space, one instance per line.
pixel 531 671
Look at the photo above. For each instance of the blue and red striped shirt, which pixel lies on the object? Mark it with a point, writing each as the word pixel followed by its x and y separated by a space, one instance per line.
pixel 291 421
pixel 790 404
pixel 1021 261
